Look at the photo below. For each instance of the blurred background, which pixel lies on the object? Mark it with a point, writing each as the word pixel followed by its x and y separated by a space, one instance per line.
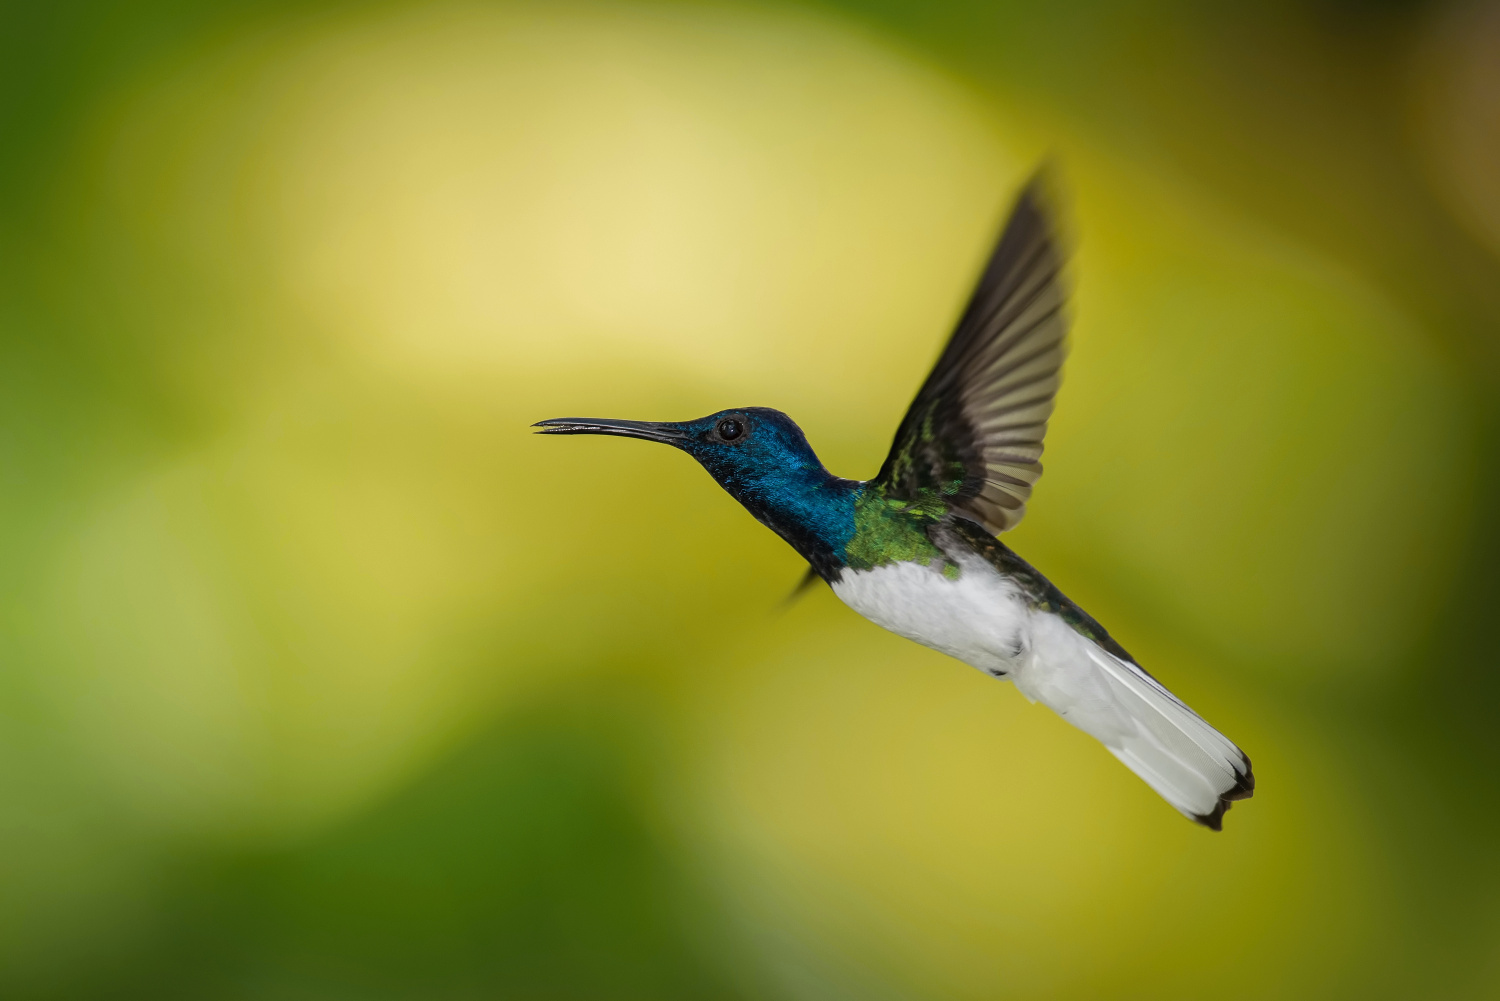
pixel 322 678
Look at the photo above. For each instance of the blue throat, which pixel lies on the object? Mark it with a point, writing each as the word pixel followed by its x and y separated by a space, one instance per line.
pixel 811 509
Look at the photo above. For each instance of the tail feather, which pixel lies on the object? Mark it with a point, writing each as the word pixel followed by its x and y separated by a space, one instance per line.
pixel 1193 766
pixel 1190 764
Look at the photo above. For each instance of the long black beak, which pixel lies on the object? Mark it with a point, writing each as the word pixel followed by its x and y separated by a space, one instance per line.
pixel 668 434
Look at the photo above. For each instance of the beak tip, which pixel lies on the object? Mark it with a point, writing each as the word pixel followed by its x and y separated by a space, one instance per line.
pixel 666 433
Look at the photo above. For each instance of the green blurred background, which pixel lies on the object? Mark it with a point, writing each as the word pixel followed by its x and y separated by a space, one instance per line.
pixel 321 678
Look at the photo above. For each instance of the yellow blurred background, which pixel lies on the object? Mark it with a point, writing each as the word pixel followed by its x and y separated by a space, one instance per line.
pixel 324 679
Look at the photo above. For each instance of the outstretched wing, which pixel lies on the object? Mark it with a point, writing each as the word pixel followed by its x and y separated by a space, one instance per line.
pixel 973 436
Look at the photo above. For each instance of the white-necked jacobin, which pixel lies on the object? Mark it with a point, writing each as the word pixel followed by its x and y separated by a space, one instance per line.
pixel 915 550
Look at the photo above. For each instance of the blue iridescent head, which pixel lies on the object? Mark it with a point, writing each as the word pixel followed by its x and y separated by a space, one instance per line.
pixel 763 459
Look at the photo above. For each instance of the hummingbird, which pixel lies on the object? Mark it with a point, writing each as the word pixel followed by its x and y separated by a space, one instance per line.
pixel 916 549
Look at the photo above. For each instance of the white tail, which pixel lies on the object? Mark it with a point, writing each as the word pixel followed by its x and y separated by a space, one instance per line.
pixel 1190 764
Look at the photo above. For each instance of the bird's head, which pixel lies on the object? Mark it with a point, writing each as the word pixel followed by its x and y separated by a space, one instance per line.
pixel 749 450
pixel 762 458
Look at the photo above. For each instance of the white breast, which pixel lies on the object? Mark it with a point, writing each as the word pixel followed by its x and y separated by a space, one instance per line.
pixel 980 618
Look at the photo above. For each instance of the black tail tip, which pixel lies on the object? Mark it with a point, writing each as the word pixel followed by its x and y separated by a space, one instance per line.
pixel 1243 788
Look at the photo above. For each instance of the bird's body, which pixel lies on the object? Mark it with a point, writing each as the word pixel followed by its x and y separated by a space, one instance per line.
pixel 985 606
pixel 914 550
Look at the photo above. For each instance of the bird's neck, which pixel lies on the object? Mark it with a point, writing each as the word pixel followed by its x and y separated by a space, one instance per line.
pixel 809 507
pixel 836 523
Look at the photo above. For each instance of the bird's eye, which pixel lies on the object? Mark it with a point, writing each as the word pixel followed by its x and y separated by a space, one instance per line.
pixel 730 429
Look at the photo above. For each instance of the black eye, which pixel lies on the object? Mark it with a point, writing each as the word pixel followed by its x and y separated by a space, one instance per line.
pixel 730 429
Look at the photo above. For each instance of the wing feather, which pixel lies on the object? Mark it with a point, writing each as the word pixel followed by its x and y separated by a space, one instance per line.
pixel 973 435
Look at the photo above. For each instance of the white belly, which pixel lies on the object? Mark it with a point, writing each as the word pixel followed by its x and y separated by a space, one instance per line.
pixel 980 618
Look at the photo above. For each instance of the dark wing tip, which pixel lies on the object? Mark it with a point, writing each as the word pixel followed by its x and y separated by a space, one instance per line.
pixel 1047 184
pixel 1243 788
pixel 1045 194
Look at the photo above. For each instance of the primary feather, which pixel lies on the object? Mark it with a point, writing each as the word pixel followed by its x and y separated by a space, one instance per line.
pixel 973 435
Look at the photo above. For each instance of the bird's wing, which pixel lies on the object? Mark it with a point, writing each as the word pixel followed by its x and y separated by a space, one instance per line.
pixel 973 436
